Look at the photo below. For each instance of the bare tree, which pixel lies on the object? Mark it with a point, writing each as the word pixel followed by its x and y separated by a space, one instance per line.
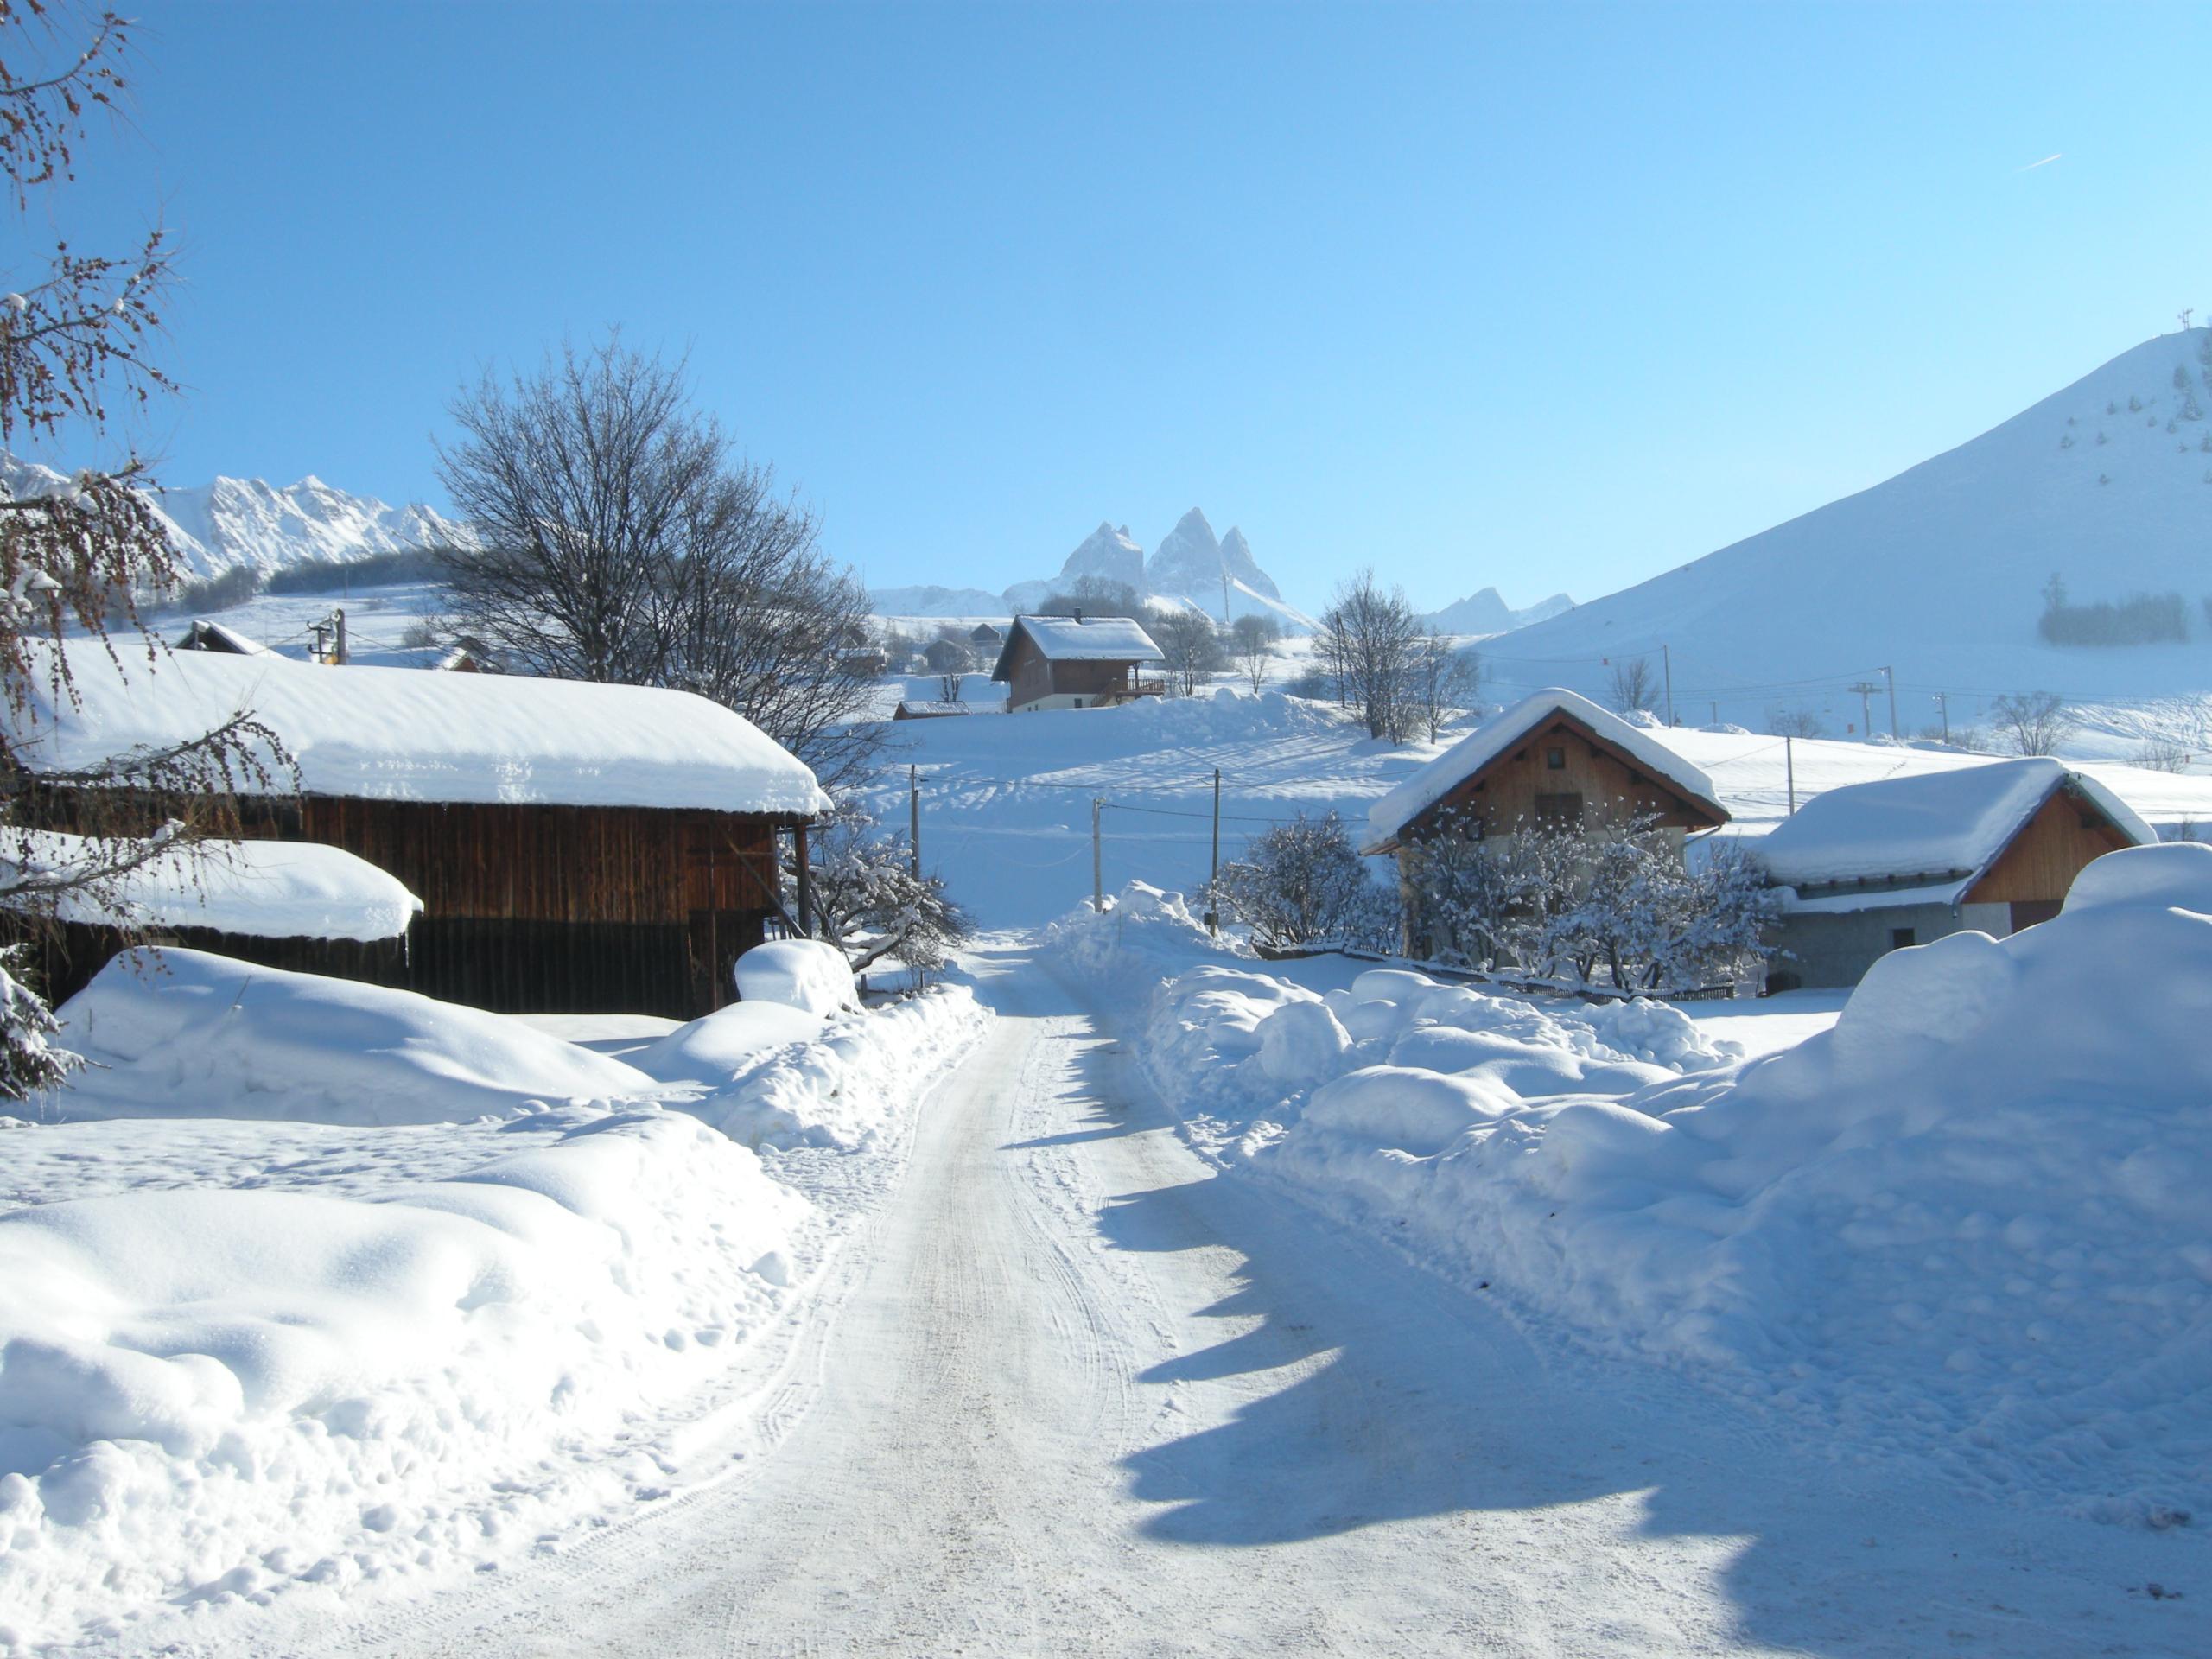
pixel 1795 723
pixel 1188 645
pixel 76 550
pixel 1442 680
pixel 1370 639
pixel 620 539
pixel 2031 722
pixel 1633 685
pixel 2163 754
pixel 1252 641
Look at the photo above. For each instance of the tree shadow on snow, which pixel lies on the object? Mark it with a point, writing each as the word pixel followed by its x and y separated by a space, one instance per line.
pixel 1364 1389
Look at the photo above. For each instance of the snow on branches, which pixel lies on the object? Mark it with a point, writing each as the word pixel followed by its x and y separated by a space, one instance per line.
pixel 1302 886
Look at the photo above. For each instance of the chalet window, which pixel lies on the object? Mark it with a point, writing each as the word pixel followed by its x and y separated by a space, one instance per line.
pixel 1900 938
pixel 1564 807
pixel 1555 759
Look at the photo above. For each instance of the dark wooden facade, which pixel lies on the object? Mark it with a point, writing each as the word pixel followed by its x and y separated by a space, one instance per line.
pixel 535 909
pixel 1030 676
pixel 2031 875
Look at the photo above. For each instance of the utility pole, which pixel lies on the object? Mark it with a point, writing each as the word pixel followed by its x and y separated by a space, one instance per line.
pixel 338 623
pixel 1097 864
pixel 1790 770
pixel 914 821
pixel 322 631
pixel 1666 666
pixel 1716 711
pixel 1213 865
pixel 1866 688
pixel 1225 596
pixel 1943 703
pixel 1889 678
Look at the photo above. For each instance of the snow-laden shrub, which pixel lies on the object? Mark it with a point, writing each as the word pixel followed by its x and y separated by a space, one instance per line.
pixel 871 903
pixel 1303 885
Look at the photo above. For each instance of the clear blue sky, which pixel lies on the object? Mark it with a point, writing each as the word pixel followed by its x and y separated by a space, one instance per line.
pixel 1544 297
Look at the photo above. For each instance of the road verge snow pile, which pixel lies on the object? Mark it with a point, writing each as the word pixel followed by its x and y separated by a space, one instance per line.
pixel 206 1393
pixel 193 1034
pixel 1966 1224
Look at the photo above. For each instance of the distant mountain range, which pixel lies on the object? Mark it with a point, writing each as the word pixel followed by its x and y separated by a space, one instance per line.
pixel 247 521
pixel 1190 567
pixel 1940 573
pixel 1488 613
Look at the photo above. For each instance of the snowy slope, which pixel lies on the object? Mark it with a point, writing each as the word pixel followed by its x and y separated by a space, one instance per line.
pixel 246 521
pixel 930 600
pixel 1486 611
pixel 1939 571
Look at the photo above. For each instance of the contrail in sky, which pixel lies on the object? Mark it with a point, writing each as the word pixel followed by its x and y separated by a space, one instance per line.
pixel 2046 162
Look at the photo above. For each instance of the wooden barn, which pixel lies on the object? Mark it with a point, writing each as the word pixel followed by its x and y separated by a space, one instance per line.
pixel 576 848
pixel 1071 662
pixel 1555 757
pixel 1875 866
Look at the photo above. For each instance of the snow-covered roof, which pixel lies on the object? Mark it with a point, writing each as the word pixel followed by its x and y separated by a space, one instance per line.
pixel 409 734
pixel 1947 827
pixel 263 889
pixel 204 635
pixel 1088 639
pixel 1497 737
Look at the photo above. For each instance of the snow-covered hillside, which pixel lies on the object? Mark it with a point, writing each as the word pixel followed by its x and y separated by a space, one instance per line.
pixel 246 521
pixel 1940 571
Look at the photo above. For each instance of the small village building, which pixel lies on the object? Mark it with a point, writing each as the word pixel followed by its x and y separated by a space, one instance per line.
pixel 203 635
pixel 1074 661
pixel 986 639
pixel 1873 867
pixel 1555 757
pixel 576 848
pixel 290 904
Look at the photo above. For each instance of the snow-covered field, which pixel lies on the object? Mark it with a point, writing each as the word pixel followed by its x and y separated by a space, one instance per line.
pixel 306 1284
pixel 1963 1228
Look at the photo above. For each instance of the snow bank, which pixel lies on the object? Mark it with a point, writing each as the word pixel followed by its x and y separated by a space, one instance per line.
pixel 843 1085
pixel 261 889
pixel 207 1394
pixel 195 1034
pixel 1967 1224
pixel 806 974
pixel 714 1048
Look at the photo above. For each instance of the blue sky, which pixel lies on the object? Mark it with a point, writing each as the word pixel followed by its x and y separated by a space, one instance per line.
pixel 1544 297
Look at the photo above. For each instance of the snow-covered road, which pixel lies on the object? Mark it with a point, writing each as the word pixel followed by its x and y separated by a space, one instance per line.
pixel 1076 1393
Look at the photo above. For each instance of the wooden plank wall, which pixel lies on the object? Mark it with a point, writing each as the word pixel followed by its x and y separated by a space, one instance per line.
pixel 2064 835
pixel 1507 789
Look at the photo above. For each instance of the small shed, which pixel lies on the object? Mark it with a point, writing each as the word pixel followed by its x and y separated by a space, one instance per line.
pixel 1074 661
pixel 204 635
pixel 1555 757
pixel 1552 758
pixel 985 637
pixel 291 905
pixel 1873 867
pixel 576 847
pixel 947 656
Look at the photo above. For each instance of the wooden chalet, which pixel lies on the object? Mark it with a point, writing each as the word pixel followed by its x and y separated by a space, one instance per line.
pixel 1873 867
pixel 1555 757
pixel 576 847
pixel 1071 662
pixel 985 637
pixel 947 656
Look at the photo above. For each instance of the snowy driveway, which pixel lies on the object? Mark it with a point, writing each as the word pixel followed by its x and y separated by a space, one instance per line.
pixel 1080 1394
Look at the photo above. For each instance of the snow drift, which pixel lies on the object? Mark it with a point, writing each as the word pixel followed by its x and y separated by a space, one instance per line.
pixel 1967 1224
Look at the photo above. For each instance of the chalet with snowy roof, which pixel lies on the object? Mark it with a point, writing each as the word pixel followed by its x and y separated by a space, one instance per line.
pixel 1555 757
pixel 985 637
pixel 1873 867
pixel 1074 661
pixel 575 847
pixel 214 636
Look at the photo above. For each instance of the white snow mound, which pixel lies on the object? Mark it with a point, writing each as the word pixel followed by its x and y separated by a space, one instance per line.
pixel 803 974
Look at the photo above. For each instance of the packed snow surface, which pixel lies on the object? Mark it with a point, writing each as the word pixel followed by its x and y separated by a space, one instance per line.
pixel 460 1291
pixel 1963 1225
pixel 805 973
pixel 1932 824
pixel 260 889
pixel 400 734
